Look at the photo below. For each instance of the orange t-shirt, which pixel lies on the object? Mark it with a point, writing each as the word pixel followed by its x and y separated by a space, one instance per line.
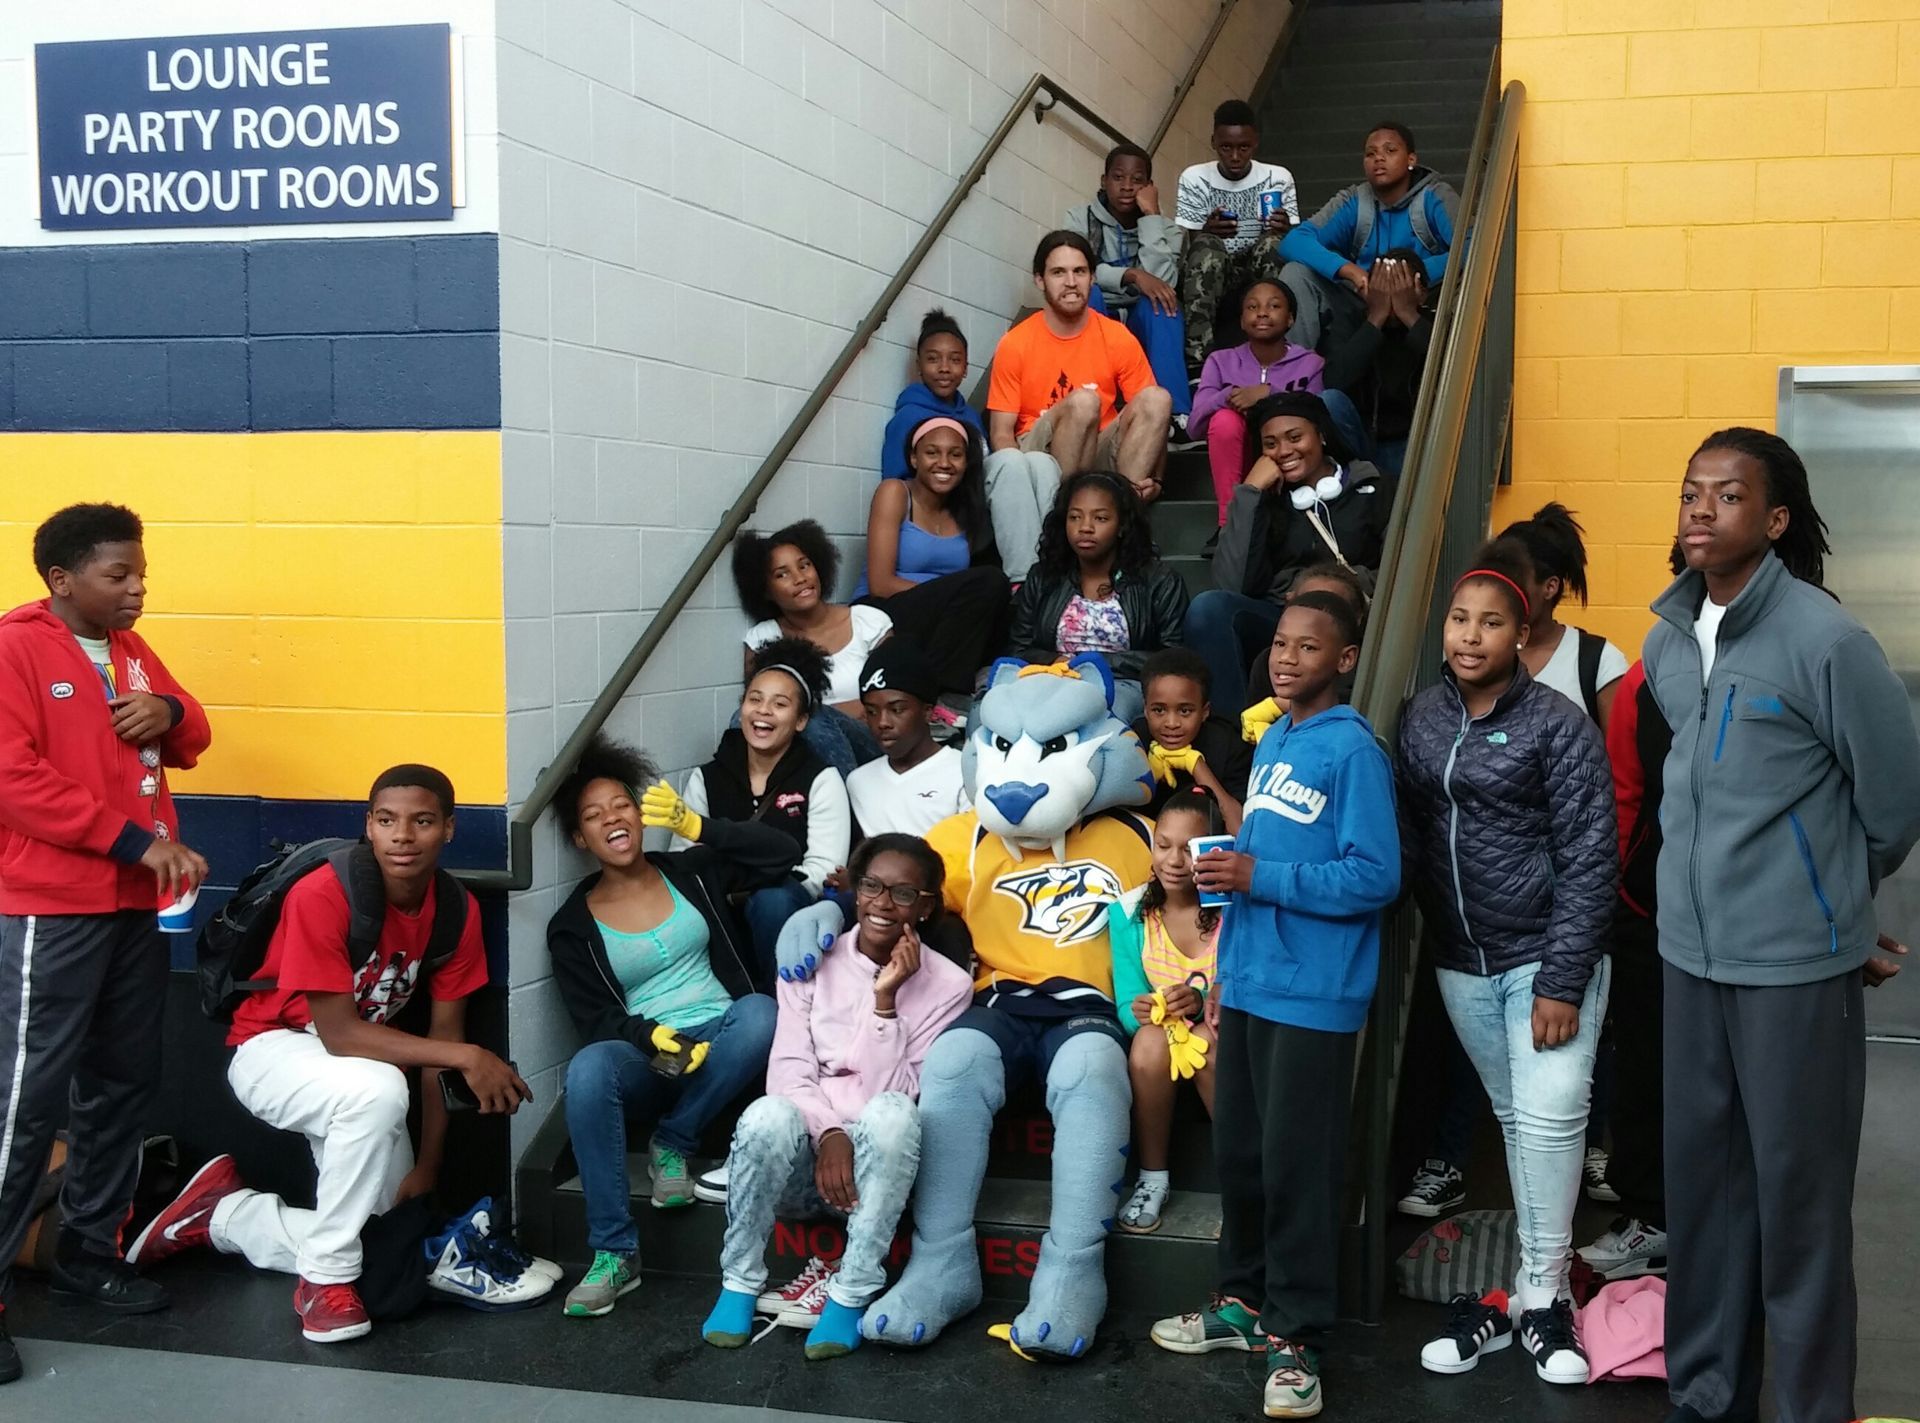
pixel 1033 369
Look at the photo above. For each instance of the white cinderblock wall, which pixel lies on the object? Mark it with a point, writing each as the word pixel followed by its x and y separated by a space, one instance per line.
pixel 699 200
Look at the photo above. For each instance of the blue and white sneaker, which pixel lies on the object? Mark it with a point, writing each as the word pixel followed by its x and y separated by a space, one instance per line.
pixel 503 1250
pixel 481 1271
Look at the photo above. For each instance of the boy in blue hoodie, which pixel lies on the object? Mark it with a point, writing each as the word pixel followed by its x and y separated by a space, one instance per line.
pixel 1316 861
pixel 1328 257
pixel 940 356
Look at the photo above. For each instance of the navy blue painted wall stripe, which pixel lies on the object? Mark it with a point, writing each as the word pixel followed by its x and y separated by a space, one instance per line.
pixel 291 334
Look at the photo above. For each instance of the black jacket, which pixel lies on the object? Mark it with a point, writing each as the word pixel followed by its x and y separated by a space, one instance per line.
pixel 729 858
pixel 1507 825
pixel 1379 369
pixel 1266 541
pixel 1154 602
pixel 1225 751
pixel 729 791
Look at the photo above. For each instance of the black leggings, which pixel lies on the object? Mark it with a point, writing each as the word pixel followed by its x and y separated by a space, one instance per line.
pixel 957 620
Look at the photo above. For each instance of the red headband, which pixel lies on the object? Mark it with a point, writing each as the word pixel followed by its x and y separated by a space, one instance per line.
pixel 1526 608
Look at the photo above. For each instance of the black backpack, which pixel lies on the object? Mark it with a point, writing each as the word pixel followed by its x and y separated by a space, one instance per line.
pixel 233 945
pixel 1589 648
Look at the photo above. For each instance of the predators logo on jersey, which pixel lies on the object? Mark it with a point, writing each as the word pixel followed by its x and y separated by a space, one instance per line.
pixel 1066 903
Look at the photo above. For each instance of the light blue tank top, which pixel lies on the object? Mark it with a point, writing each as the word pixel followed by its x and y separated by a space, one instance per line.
pixel 923 556
pixel 664 971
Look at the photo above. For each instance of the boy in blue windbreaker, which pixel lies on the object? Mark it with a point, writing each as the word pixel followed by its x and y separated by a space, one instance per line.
pixel 1316 861
pixel 940 358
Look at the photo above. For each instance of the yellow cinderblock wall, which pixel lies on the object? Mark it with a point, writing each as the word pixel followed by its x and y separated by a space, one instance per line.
pixel 1709 190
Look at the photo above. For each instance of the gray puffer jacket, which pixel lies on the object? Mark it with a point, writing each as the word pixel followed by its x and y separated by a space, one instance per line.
pixel 1506 822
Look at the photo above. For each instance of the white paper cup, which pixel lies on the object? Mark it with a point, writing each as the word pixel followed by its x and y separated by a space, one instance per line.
pixel 177 917
pixel 1198 846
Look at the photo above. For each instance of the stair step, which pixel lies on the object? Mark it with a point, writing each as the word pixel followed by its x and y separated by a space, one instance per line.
pixel 1195 571
pixel 1182 526
pixel 1411 59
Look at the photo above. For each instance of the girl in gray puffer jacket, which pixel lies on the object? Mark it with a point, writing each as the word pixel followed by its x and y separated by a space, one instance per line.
pixel 1507 825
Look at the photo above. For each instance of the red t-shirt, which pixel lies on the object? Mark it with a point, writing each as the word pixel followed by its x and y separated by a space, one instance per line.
pixel 308 954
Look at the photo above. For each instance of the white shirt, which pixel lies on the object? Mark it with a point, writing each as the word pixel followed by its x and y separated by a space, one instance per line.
pixel 870 629
pixel 1562 672
pixel 910 803
pixel 1706 632
pixel 1203 190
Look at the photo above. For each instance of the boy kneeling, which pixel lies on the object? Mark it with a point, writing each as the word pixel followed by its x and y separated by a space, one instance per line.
pixel 315 1054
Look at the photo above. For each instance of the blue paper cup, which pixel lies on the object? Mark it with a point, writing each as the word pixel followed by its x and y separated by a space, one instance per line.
pixel 177 917
pixel 1198 846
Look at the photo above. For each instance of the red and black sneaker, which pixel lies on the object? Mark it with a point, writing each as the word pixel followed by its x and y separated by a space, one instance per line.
pixel 183 1223
pixel 330 1314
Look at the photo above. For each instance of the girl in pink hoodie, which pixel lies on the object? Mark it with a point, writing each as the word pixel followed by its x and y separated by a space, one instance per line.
pixel 1235 379
pixel 838 1128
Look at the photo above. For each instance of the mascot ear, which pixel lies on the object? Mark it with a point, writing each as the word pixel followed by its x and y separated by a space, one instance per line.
pixel 1093 667
pixel 1004 669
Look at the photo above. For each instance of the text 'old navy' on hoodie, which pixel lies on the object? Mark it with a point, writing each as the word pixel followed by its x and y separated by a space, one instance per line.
pixel 1303 946
pixel 1353 227
pixel 913 405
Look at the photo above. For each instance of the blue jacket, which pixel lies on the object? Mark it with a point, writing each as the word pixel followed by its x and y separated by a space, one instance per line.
pixel 1303 947
pixel 917 403
pixel 1331 238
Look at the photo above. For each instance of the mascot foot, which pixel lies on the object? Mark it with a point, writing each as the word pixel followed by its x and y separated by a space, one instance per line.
pixel 1063 1311
pixel 941 1283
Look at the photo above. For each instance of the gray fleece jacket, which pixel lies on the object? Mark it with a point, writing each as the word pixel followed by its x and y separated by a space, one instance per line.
pixel 1792 788
pixel 1152 244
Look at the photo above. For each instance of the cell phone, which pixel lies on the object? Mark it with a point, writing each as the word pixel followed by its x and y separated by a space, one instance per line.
pixel 456 1094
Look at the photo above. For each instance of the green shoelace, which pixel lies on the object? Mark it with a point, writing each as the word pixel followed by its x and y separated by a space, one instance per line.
pixel 606 1269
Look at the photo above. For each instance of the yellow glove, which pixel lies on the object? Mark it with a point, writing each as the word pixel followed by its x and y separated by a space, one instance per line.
pixel 1163 763
pixel 1255 720
pixel 667 1041
pixel 1186 1050
pixel 662 809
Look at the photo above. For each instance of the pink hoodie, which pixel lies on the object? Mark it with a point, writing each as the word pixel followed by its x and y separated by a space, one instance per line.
pixel 832 1054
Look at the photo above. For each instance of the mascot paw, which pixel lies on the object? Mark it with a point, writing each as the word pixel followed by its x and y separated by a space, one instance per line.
pixel 1034 1350
pixel 805 939
pixel 1068 1298
pixel 941 1283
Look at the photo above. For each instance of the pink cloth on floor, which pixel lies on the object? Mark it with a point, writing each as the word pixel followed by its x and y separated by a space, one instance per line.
pixel 1226 455
pixel 1624 1330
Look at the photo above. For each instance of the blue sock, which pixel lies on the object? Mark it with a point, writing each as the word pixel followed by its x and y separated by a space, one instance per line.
pixel 731 1323
pixel 836 1331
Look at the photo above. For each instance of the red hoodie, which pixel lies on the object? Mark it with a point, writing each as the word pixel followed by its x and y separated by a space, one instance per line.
pixel 74 821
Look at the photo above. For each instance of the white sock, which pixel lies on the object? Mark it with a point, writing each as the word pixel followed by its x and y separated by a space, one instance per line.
pixel 1156 1181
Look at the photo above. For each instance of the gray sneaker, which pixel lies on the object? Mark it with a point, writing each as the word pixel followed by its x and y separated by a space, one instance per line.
pixel 607 1278
pixel 672 1182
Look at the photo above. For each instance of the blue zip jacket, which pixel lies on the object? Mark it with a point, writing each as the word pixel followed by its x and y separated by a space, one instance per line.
pixel 1303 947
pixel 914 404
pixel 1792 787
pixel 1326 242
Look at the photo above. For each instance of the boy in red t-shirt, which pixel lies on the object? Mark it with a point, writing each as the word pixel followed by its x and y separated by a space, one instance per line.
pixel 89 722
pixel 316 1054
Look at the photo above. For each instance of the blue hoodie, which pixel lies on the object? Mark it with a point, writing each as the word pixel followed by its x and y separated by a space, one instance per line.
pixel 1303 948
pixel 1326 242
pixel 917 403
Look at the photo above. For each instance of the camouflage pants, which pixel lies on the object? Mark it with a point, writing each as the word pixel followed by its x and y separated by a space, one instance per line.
pixel 1208 273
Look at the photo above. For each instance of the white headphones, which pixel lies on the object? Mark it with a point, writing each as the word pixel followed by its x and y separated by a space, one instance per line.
pixel 1325 488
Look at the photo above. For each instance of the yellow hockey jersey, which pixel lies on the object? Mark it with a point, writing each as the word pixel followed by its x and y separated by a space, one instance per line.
pixel 1039 924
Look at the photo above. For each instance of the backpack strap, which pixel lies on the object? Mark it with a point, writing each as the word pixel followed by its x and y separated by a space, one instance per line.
pixel 1590 648
pixel 1422 224
pixel 1366 208
pixel 359 875
pixel 450 906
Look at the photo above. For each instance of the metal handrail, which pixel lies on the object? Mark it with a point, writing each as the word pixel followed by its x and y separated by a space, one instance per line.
pixel 518 874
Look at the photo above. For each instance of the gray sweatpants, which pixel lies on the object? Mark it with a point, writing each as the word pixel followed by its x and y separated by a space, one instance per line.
pixel 770 1172
pixel 1764 1089
pixel 81 997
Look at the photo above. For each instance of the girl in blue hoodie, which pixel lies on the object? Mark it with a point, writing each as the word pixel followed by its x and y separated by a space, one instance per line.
pixel 940 361
pixel 1315 863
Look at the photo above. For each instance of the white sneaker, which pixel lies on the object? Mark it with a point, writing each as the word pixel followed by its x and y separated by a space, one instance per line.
pixel 711 1185
pixel 1593 1174
pixel 1630 1248
pixel 465 1273
pixel 800 1300
pixel 505 1251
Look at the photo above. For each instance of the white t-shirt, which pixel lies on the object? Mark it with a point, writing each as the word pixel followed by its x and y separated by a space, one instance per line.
pixel 1706 632
pixel 1562 672
pixel 1203 191
pixel 870 629
pixel 885 801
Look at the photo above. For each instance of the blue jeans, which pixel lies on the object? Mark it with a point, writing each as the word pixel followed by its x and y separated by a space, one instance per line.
pixel 767 912
pixel 610 1086
pixel 1229 630
pixel 1540 1099
pixel 1163 336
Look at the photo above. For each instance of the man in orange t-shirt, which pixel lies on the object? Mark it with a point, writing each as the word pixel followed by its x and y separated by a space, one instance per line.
pixel 1057 378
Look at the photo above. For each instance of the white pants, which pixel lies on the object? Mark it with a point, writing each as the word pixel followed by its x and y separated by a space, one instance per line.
pixel 353 1113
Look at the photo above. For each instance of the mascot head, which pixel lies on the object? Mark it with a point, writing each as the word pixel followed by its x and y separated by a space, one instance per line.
pixel 1047 751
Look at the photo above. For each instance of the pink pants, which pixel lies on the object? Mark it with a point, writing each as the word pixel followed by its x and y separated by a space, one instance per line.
pixel 1226 454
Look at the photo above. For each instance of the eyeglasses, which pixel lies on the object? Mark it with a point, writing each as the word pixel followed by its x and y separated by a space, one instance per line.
pixel 901 894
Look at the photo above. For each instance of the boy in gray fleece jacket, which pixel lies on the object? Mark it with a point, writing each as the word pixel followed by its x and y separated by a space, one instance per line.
pixel 1791 790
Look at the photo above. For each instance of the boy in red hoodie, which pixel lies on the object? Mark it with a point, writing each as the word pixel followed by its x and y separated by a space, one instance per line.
pixel 89 851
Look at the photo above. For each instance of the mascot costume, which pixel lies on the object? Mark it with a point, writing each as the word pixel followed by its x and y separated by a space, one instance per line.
pixel 1031 869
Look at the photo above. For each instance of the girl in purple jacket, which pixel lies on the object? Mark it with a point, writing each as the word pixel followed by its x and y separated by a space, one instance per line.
pixel 1236 379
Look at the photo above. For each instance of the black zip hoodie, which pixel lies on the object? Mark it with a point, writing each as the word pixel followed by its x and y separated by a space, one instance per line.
pixel 729 858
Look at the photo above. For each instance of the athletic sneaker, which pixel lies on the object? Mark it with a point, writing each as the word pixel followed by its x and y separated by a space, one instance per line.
pixel 1178 437
pixel 711 1185
pixel 1141 1214
pixel 1549 1335
pixel 1436 1190
pixel 607 1278
pixel 1226 1323
pixel 183 1223
pixel 803 1310
pixel 330 1314
pixel 1593 1173
pixel 1474 1327
pixel 468 1272
pixel 667 1170
pixel 1293 1388
pixel 798 1293
pixel 1628 1249
pixel 503 1253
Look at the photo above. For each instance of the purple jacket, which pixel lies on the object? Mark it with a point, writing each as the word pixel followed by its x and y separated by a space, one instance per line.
pixel 1234 366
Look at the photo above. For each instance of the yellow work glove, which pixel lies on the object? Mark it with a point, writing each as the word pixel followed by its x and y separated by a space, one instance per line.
pixel 1163 763
pixel 1186 1050
pixel 667 1041
pixel 1255 720
pixel 662 809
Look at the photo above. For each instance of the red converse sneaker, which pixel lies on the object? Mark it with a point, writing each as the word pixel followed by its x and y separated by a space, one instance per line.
pixel 330 1314
pixel 182 1224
